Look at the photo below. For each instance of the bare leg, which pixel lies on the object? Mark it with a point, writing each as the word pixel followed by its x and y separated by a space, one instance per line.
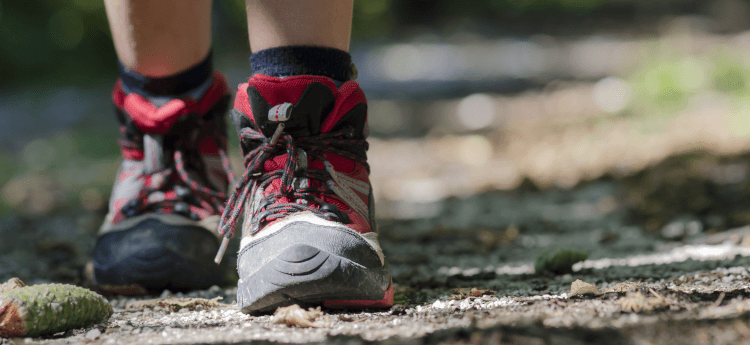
pixel 278 23
pixel 158 38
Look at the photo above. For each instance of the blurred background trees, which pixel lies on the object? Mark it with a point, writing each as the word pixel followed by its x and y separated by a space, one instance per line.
pixel 69 40
pixel 550 91
pixel 464 97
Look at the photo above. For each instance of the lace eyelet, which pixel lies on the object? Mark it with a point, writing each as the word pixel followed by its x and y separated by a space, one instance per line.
pixel 182 208
pixel 334 210
pixel 132 208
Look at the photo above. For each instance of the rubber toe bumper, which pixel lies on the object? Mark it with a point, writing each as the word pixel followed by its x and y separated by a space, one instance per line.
pixel 309 264
pixel 158 256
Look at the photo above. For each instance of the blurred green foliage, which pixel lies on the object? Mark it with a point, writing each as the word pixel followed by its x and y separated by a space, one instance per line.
pixel 558 260
pixel 669 80
pixel 730 76
pixel 88 144
pixel 53 38
pixel 61 42
pixel 8 166
pixel 68 41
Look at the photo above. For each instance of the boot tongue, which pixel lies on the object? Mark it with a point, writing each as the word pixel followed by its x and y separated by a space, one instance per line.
pixel 309 105
pixel 302 115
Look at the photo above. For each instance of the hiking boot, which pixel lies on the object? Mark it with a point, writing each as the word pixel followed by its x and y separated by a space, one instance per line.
pixel 309 234
pixel 160 232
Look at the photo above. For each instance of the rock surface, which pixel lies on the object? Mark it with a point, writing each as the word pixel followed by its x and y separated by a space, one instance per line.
pixel 460 279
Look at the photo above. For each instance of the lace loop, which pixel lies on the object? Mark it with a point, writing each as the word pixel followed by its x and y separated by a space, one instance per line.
pixel 187 190
pixel 342 143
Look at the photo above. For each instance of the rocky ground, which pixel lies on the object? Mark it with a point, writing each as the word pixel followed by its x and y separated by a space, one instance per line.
pixel 668 258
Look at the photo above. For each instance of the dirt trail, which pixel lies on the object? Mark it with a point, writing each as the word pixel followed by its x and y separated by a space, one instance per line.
pixel 672 267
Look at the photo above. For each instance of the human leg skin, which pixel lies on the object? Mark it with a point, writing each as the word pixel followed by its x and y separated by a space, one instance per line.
pixel 279 23
pixel 309 235
pixel 160 38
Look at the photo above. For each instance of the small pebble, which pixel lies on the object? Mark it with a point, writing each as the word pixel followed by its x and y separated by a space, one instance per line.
pixel 398 309
pixel 93 334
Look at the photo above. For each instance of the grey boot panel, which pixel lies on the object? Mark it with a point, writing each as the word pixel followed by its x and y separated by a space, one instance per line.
pixel 307 264
pixel 338 241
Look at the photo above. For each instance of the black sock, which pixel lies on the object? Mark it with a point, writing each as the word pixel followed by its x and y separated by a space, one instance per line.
pixel 303 60
pixel 173 85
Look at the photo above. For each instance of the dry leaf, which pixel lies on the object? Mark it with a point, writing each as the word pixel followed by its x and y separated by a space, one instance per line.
pixel 12 283
pixel 294 315
pixel 580 288
pixel 637 302
pixel 624 287
pixel 745 241
pixel 175 304
pixel 462 293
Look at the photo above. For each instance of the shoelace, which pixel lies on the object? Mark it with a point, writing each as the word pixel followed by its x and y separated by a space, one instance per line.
pixel 192 192
pixel 342 143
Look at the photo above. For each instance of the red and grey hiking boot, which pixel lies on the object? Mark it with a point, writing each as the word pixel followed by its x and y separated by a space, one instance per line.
pixel 309 235
pixel 170 191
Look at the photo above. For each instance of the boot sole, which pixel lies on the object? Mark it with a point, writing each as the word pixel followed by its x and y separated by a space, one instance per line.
pixel 308 276
pixel 154 256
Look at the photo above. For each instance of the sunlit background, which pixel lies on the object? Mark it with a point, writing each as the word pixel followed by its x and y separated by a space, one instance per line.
pixel 465 96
